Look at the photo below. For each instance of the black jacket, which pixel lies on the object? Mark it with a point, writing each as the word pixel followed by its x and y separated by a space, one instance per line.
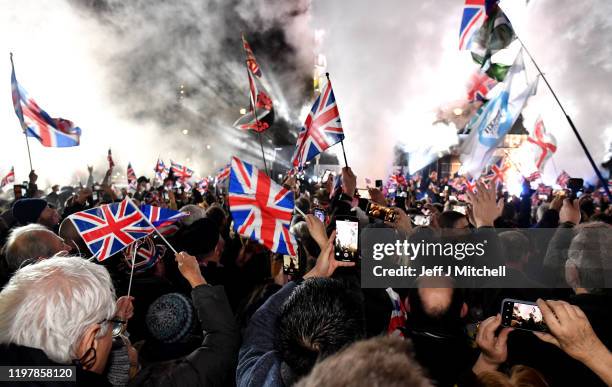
pixel 214 363
pixel 19 355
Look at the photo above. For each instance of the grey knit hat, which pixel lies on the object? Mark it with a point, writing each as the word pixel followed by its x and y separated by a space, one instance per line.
pixel 170 318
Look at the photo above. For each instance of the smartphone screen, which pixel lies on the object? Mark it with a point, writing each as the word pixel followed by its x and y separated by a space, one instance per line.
pixel 291 264
pixel 319 213
pixel 522 315
pixel 460 209
pixel 363 193
pixel 421 220
pixel 378 183
pixel 346 245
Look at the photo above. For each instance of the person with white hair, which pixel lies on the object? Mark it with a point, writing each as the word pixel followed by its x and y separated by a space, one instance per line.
pixel 195 212
pixel 59 312
pixel 28 244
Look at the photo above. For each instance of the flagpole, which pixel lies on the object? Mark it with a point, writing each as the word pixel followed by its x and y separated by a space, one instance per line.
pixel 151 224
pixel 570 122
pixel 25 133
pixel 136 245
pixel 341 141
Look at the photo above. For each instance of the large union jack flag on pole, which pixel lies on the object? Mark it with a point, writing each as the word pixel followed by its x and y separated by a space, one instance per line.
pixel 110 228
pixel 35 122
pixel 321 129
pixel 261 209
pixel 474 14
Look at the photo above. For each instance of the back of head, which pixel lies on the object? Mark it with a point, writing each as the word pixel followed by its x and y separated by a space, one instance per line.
pixel 515 245
pixel 50 304
pixel 380 361
pixel 28 210
pixel 435 308
pixel 170 318
pixel 200 238
pixel 448 219
pixel 520 376
pixel 195 213
pixel 320 317
pixel 27 244
pixel 217 214
pixel 589 253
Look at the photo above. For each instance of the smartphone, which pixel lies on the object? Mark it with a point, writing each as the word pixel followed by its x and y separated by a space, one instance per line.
pixel 347 239
pixel 381 212
pixel 421 220
pixel 459 208
pixel 363 193
pixel 291 264
pixel 94 196
pixel 319 213
pixel 523 315
pixel 18 191
pixel 575 185
pixel 378 184
pixel 325 175
pixel 543 197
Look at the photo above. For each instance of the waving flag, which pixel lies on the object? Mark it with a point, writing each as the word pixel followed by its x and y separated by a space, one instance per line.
pixel 562 179
pixel 544 144
pixel 398 315
pixel 111 163
pixel 161 217
pixel 202 185
pixel 181 172
pixel 473 16
pixel 495 119
pixel 160 170
pixel 260 116
pixel 495 34
pixel 222 174
pixel 321 129
pixel 479 86
pixel 131 176
pixel 51 132
pixel 110 228
pixel 533 176
pixel 498 172
pixel 9 178
pixel 261 209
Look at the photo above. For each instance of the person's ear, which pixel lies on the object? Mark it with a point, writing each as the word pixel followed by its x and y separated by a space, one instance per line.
pixel 88 341
pixel 464 310
pixel 572 277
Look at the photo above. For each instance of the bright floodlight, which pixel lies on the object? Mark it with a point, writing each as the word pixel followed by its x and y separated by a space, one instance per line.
pixel 242 111
pixel 458 111
pixel 185 131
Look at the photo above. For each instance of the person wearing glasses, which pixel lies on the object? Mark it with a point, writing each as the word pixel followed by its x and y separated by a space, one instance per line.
pixel 63 311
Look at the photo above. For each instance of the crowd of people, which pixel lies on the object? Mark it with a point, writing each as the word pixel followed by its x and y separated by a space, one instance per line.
pixel 222 311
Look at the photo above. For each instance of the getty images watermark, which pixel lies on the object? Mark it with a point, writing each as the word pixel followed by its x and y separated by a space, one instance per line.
pixel 487 258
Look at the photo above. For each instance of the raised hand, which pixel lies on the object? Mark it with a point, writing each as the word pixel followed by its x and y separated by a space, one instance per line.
pixel 326 263
pixel 494 349
pixel 190 269
pixel 485 209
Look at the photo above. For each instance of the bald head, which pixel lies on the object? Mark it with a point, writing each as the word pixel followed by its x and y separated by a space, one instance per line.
pixel 436 301
pixel 30 243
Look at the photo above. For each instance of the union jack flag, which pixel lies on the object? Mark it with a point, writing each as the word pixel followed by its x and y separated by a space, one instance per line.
pixel 470 185
pixel 35 122
pixel 222 174
pixel 473 16
pixel 261 102
pixel 131 176
pixel 261 209
pixel 498 172
pixel 321 129
pixel 479 86
pixel 180 172
pixel 202 185
pixel 398 315
pixel 562 179
pixel 111 163
pixel 9 178
pixel 110 228
pixel 533 176
pixel 160 170
pixel 161 217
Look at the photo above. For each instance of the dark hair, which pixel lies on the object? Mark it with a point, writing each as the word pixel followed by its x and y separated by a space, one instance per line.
pixel 320 317
pixel 448 219
pixel 217 214
pixel 515 244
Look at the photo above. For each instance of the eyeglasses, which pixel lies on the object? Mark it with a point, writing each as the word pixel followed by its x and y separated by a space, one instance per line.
pixel 118 327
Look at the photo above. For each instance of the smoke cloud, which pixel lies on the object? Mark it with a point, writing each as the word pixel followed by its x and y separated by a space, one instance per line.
pixel 116 69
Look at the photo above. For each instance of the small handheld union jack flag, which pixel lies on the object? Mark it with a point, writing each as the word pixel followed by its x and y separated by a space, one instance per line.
pixel 110 228
pixel 181 172
pixel 562 179
pixel 131 176
pixel 9 178
pixel 222 174
pixel 160 170
pixel 262 210
pixel 35 122
pixel 321 129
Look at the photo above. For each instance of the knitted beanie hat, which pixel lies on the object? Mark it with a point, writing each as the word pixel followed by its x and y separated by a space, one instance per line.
pixel 170 318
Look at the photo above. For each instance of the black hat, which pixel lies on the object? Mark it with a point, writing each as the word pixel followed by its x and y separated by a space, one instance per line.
pixel 200 238
pixel 28 211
